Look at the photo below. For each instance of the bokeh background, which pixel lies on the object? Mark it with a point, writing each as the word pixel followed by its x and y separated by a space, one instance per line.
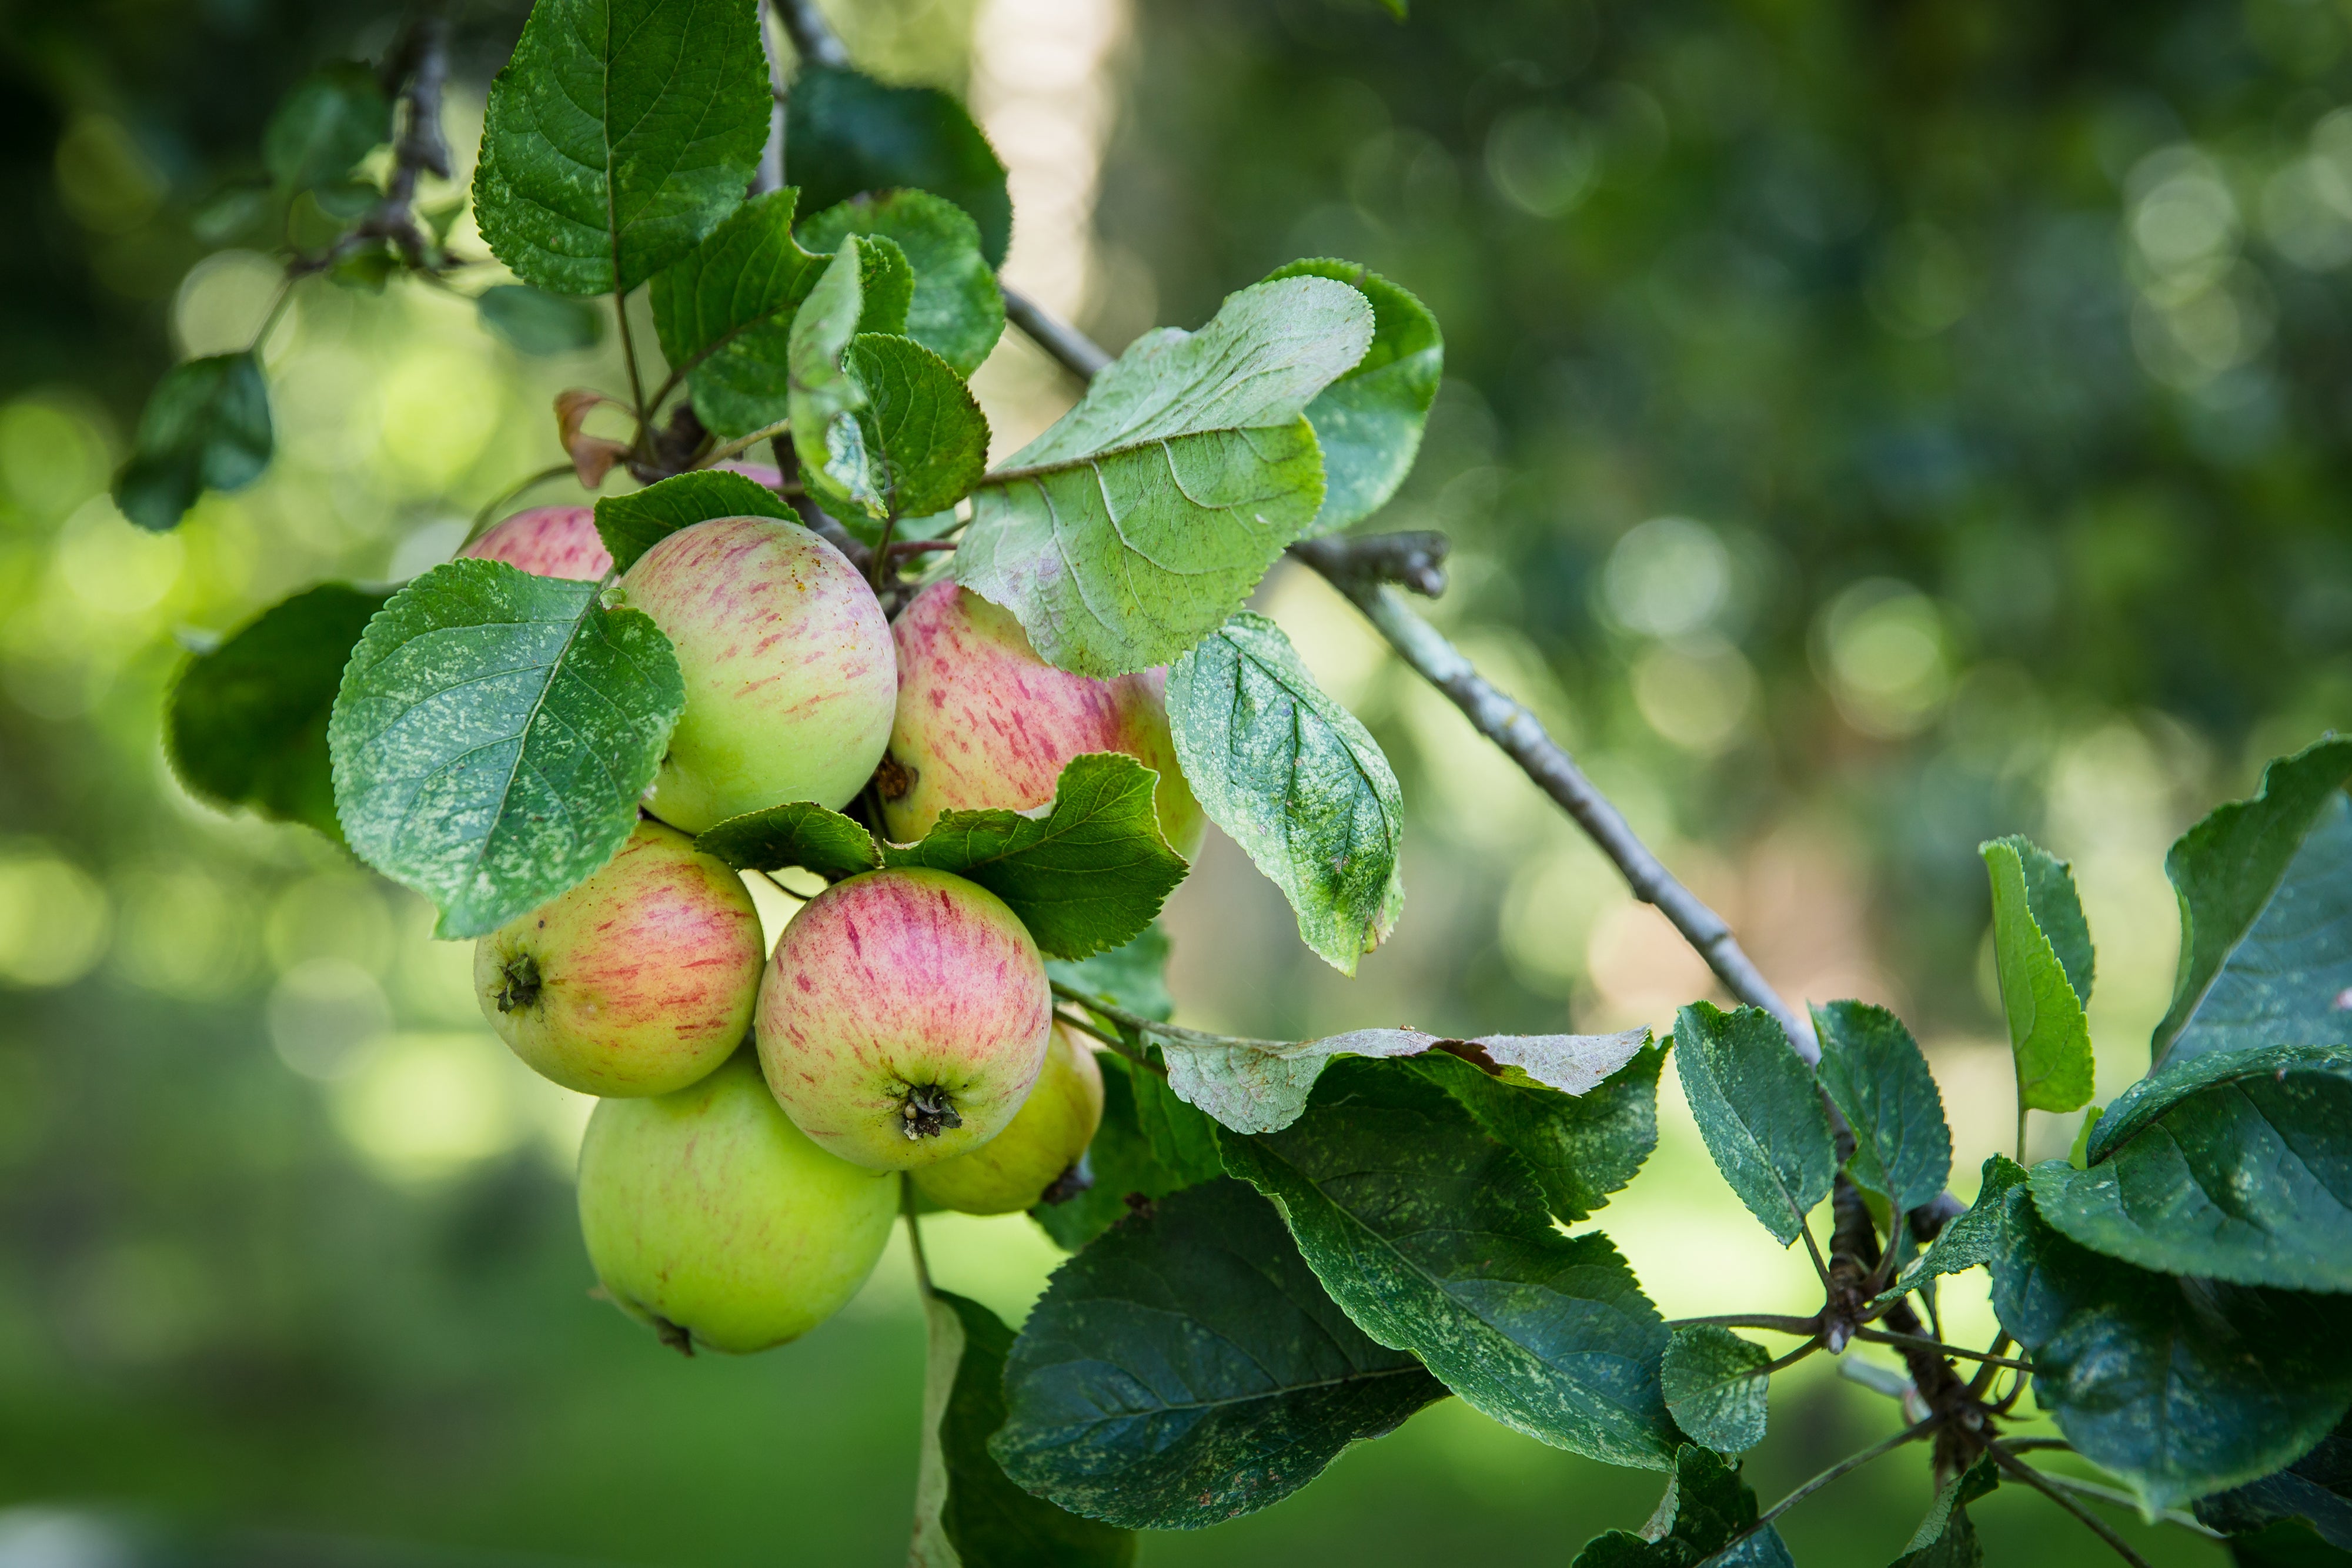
pixel 1868 429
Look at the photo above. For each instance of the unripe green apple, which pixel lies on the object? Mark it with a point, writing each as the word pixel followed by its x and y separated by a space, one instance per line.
pixel 711 1216
pixel 790 676
pixel 904 1018
pixel 638 981
pixel 1012 1171
pixel 983 722
pixel 547 542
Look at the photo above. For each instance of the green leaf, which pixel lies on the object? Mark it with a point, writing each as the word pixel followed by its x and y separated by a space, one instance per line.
pixel 864 289
pixel 1119 1161
pixel 535 322
pixel 205 427
pixel 1947 1538
pixel 633 524
pixel 2286 1543
pixel 1186 1368
pixel 2236 1165
pixel 1183 1141
pixel 1086 876
pixel 1581 1146
pixel 1368 421
pixel 1141 521
pixel 620 133
pixel 847 134
pixel 1716 1385
pixel 248 722
pixel 2047 1032
pixel 957 311
pixel 1878 1079
pixel 1970 1240
pixel 2316 1488
pixel 1296 779
pixel 798 833
pixel 1706 1505
pixel 925 439
pixel 1436 1241
pixel 2181 1387
pixel 333 118
pixel 2265 892
pixel 968 1514
pixel 492 735
pixel 724 313
pixel 1759 1112
pixel 1134 977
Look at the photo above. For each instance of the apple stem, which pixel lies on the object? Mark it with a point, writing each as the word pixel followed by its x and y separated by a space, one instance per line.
pixel 914 1233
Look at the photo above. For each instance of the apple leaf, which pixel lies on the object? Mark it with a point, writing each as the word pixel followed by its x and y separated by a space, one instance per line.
pixel 1437 1241
pixel 1187 1368
pixel 1120 1162
pixel 957 310
pixel 797 833
pixel 2181 1386
pixel 724 313
pixel 2047 1030
pixel 847 134
pixel 968 1514
pixel 925 439
pixel 1143 518
pixel 2235 1165
pixel 2317 1490
pixel 1705 1506
pixel 333 118
pixel 1086 876
pixel 1759 1112
pixel 1878 1079
pixel 1582 1146
pixel 1970 1241
pixel 492 735
pixel 533 321
pixel 247 721
pixel 633 524
pixel 1368 421
pixel 1296 779
pixel 1947 1538
pixel 618 135
pixel 1182 1139
pixel 2265 892
pixel 837 430
pixel 1134 977
pixel 205 427
pixel 1716 1385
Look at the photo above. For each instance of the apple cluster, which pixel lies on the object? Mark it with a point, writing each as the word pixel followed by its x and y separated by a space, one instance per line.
pixel 734 1192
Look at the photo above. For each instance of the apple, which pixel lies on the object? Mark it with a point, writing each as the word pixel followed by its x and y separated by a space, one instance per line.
pixel 638 981
pixel 790 676
pixel 983 722
pixel 547 542
pixel 904 1018
pixel 711 1216
pixel 1013 1170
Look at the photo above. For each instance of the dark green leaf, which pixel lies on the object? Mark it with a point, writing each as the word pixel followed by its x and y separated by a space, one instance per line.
pixel 1119 1161
pixel 1759 1112
pixel 2047 1032
pixel 536 322
pixel 2236 1165
pixel 492 735
pixel 248 724
pixel 1296 779
pixel 2316 1488
pixel 2265 891
pixel 1878 1079
pixel 620 133
pixel 1582 1147
pixel 847 134
pixel 798 833
pixel 1142 519
pixel 1716 1386
pixel 1086 876
pixel 863 289
pixel 1947 1538
pixel 925 439
pixel 334 117
pixel 1706 1505
pixel 1436 1240
pixel 1182 1140
pixel 724 313
pixel 1134 977
pixel 1186 1368
pixel 2286 1543
pixel 957 311
pixel 1970 1241
pixel 1368 421
pixel 968 1514
pixel 633 524
pixel 205 427
pixel 2181 1387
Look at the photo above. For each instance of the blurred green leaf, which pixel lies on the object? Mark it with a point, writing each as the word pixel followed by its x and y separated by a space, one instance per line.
pixel 2048 1034
pixel 798 833
pixel 1706 1505
pixel 2316 1488
pixel 1115 1414
pixel 619 134
pixel 865 289
pixel 1947 1538
pixel 248 722
pixel 724 313
pixel 1134 977
pixel 333 118
pixel 633 524
pixel 1582 1147
pixel 847 134
pixel 205 427
pixel 1716 1386
pixel 957 310
pixel 1878 1079
pixel 1368 421
pixel 492 736
pixel 1759 1112
pixel 536 322
pixel 1184 1139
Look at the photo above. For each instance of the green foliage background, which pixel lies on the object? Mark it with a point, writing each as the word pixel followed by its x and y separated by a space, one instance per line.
pixel 1867 432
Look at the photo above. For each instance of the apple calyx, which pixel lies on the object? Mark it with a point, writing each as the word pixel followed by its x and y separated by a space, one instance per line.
pixel 894 778
pixel 518 983
pixel 928 1111
pixel 672 1335
pixel 1078 1177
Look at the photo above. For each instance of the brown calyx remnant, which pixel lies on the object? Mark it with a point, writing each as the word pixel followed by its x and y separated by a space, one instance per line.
pixel 928 1111
pixel 894 778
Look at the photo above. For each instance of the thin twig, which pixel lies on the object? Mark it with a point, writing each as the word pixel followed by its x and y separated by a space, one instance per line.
pixel 483 519
pixel 416 70
pixel 2036 1444
pixel 914 1233
pixel 1768 1322
pixel 1165 1033
pixel 2123 1499
pixel 2099 1526
pixel 1073 349
pixel 1110 1040
pixel 718 454
pixel 1794 1356
pixel 1921 1342
pixel 812 37
pixel 1844 1467
pixel 1813 1248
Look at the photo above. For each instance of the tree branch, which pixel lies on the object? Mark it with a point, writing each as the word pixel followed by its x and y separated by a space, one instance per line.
pixel 1076 353
pixel 416 72
pixel 812 37
pixel 2022 1471
pixel 1415 559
